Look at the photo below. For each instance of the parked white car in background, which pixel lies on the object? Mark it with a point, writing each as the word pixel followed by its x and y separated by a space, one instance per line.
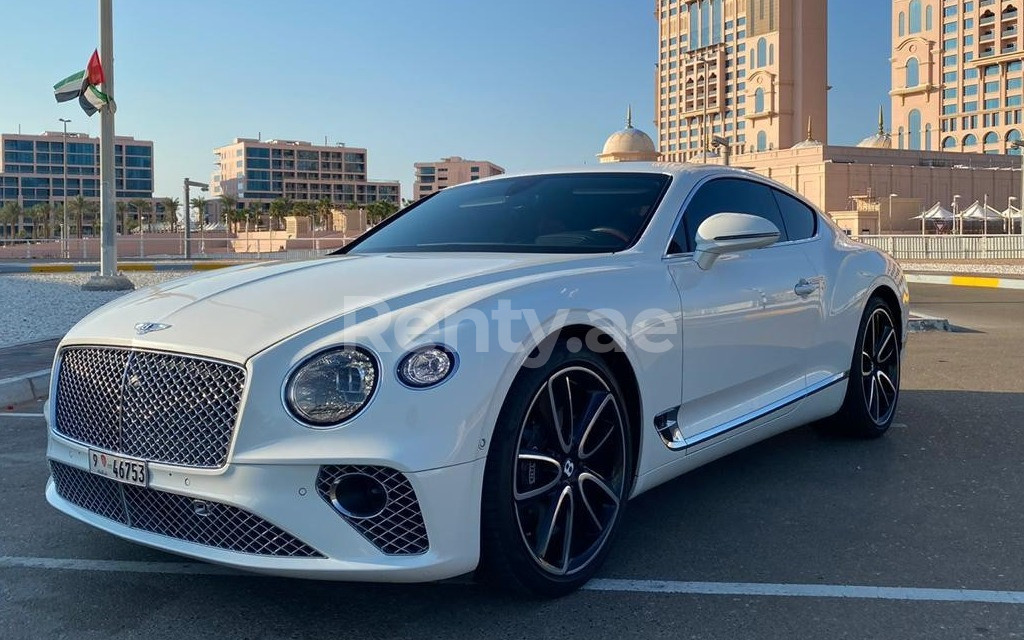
pixel 480 382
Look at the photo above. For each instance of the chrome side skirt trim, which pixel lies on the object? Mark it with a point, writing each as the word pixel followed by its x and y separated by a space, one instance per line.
pixel 674 440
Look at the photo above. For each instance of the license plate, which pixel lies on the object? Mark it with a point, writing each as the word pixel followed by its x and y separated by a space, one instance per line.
pixel 117 468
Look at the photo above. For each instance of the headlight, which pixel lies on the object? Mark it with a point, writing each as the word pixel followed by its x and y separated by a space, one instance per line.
pixel 332 386
pixel 426 366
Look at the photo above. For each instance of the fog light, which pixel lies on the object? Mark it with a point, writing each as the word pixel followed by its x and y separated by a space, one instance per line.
pixel 359 496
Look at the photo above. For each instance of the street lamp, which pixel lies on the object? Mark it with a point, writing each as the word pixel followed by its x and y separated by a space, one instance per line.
pixel 891 196
pixel 64 226
pixel 1009 214
pixel 1019 144
pixel 188 217
pixel 956 198
pixel 723 144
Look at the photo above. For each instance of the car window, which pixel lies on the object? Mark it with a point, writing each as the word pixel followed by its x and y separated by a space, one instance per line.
pixel 554 213
pixel 801 220
pixel 726 195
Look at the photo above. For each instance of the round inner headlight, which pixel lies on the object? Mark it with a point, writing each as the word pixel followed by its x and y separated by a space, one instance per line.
pixel 332 386
pixel 426 367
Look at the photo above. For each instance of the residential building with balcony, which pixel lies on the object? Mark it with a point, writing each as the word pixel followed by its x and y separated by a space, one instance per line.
pixel 32 169
pixel 257 172
pixel 751 73
pixel 957 75
pixel 434 176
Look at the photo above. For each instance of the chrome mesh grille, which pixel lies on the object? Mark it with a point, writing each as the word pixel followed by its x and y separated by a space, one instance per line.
pixel 156 406
pixel 175 516
pixel 399 529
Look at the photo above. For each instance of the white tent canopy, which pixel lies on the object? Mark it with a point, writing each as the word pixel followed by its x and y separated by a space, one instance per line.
pixel 978 211
pixel 1012 212
pixel 936 213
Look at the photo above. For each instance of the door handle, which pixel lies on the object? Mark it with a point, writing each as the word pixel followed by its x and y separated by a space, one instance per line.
pixel 805 288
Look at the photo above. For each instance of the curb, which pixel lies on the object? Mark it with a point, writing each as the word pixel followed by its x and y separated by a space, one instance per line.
pixel 966 281
pixel 919 323
pixel 25 388
pixel 124 266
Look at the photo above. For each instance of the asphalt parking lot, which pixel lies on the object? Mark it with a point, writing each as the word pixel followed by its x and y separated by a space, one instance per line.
pixel 936 504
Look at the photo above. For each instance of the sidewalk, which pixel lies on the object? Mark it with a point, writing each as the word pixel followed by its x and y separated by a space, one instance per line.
pixel 92 267
pixel 25 371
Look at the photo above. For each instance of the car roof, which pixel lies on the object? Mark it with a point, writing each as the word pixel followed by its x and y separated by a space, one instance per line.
pixel 688 172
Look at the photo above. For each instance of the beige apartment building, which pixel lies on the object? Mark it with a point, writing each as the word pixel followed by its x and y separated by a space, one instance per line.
pixel 957 75
pixel 260 171
pixel 751 73
pixel 434 176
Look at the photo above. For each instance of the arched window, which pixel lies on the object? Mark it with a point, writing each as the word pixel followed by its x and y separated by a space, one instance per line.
pixel 903 24
pixel 949 142
pixel 970 140
pixel 900 139
pixel 915 16
pixel 762 52
pixel 771 54
pixel 927 137
pixel 928 18
pixel 762 141
pixel 1012 137
pixel 913 73
pixel 759 101
pixel 914 130
pixel 989 141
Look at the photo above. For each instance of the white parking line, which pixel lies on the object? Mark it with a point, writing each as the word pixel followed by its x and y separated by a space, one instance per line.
pixel 806 591
pixel 20 415
pixel 599 584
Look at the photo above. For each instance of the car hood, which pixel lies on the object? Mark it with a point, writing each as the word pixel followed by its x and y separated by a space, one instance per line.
pixel 237 312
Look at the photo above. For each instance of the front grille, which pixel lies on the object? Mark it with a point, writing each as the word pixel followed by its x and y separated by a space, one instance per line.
pixel 399 529
pixel 155 406
pixel 198 521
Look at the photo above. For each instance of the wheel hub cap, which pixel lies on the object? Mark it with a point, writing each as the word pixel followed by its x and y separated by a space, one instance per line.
pixel 570 470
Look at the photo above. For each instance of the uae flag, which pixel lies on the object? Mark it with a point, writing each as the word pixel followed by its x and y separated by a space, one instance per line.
pixel 84 85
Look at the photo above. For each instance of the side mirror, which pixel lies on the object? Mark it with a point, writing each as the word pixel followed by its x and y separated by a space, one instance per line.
pixel 725 233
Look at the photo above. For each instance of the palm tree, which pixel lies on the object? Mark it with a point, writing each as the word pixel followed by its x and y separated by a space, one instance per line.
pixel 40 215
pixel 199 206
pixel 138 204
pixel 278 209
pixel 79 206
pixel 122 213
pixel 9 215
pixel 228 203
pixel 322 211
pixel 171 206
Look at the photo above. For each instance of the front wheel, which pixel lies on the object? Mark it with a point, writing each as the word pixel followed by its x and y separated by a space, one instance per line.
pixel 557 478
pixel 874 387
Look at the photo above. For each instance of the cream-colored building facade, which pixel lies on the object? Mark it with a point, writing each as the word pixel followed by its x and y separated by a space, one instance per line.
pixel 957 75
pixel 259 171
pixel 748 72
pixel 434 176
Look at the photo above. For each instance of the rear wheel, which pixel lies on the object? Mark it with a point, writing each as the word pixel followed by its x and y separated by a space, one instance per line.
pixel 873 390
pixel 557 478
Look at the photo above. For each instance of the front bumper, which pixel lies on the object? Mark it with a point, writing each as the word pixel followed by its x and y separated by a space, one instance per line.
pixel 285 495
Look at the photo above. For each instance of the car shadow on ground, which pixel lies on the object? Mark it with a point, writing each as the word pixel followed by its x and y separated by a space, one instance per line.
pixel 933 503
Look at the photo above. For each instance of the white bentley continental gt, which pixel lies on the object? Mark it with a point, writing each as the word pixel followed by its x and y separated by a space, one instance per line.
pixel 481 382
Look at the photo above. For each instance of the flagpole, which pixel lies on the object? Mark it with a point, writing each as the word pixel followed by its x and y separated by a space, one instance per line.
pixel 107 279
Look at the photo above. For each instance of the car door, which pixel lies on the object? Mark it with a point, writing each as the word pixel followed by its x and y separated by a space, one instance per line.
pixel 747 321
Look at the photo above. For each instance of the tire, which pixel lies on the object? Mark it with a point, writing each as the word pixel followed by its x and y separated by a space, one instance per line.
pixel 553 496
pixel 873 390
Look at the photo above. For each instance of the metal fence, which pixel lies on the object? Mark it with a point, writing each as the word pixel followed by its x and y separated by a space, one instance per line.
pixel 949 247
pixel 169 246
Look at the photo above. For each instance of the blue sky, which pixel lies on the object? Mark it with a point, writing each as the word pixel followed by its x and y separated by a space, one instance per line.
pixel 526 84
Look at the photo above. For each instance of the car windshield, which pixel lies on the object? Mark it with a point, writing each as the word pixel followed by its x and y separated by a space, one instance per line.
pixel 558 213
